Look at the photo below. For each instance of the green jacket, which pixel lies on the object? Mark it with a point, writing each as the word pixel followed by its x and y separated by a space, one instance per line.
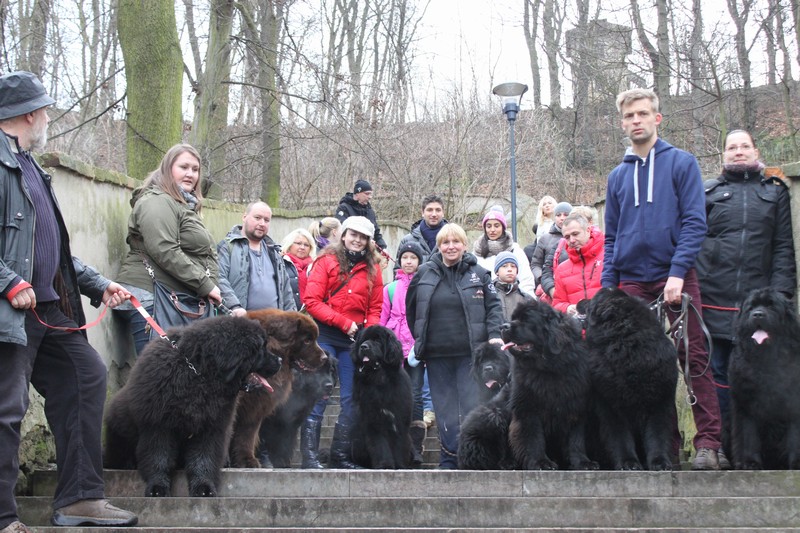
pixel 175 241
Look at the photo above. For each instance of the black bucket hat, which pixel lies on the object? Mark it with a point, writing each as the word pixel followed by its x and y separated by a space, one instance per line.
pixel 21 92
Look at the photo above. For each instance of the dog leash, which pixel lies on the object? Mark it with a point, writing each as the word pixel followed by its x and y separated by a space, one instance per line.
pixel 67 328
pixel 677 332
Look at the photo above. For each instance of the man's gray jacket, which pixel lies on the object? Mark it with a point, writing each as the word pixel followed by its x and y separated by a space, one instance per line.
pixel 233 256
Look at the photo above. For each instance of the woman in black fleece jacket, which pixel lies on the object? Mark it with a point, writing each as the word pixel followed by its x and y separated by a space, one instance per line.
pixel 450 295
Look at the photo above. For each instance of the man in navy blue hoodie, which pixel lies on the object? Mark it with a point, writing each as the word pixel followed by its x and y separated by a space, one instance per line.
pixel 655 223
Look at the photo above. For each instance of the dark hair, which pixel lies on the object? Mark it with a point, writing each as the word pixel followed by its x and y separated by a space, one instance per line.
pixel 431 198
pixel 338 250
pixel 752 139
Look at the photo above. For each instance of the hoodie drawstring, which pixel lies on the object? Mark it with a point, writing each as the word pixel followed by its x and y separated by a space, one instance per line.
pixel 651 172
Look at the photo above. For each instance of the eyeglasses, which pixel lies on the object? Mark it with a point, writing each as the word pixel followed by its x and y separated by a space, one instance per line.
pixel 305 244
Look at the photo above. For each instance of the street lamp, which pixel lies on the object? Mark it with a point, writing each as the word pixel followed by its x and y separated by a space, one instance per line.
pixel 511 94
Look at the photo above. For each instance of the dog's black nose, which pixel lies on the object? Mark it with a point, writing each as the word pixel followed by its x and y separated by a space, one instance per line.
pixel 505 326
pixel 758 313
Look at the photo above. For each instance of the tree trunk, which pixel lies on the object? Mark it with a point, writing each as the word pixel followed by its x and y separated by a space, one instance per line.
pixel 551 30
pixel 35 38
pixel 271 14
pixel 530 23
pixel 743 56
pixel 148 37
pixel 210 129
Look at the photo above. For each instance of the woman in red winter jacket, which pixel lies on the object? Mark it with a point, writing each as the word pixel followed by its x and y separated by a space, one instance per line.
pixel 579 277
pixel 344 292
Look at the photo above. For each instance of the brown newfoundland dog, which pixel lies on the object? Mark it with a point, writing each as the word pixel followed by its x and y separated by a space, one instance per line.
pixel 293 336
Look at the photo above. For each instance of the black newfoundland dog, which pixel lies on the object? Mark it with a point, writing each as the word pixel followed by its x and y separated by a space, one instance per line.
pixel 491 369
pixel 550 389
pixel 483 441
pixel 177 408
pixel 634 375
pixel 382 401
pixel 764 373
pixel 279 430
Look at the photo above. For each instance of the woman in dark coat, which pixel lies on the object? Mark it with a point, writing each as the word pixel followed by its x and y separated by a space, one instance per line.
pixel 451 294
pixel 748 245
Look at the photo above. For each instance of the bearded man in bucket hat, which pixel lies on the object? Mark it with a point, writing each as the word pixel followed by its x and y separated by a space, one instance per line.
pixel 39 276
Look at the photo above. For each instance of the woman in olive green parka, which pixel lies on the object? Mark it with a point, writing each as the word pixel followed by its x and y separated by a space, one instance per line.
pixel 166 228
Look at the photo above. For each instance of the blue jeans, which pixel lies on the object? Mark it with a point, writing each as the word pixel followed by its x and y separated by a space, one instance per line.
pixel 416 374
pixel 346 371
pixel 720 357
pixel 427 403
pixel 455 394
pixel 137 325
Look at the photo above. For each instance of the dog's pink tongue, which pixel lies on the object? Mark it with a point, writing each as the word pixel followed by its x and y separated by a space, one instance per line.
pixel 507 345
pixel 760 336
pixel 258 378
pixel 491 383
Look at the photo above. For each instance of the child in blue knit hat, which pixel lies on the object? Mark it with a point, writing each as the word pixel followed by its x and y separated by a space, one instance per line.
pixel 506 268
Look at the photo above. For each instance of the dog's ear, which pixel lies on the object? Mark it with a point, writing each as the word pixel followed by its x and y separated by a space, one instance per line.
pixel 394 350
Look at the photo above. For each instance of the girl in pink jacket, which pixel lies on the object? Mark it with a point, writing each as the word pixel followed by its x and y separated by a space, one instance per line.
pixel 393 316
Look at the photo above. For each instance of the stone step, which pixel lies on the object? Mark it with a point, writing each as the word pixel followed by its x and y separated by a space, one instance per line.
pixel 425 484
pixel 43 529
pixel 448 512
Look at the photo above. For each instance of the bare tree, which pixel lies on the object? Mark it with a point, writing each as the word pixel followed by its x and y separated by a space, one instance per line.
pixel 530 26
pixel 739 16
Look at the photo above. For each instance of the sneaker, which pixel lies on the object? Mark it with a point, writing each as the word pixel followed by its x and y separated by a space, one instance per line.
pixel 429 417
pixel 15 527
pixel 93 513
pixel 706 459
pixel 724 462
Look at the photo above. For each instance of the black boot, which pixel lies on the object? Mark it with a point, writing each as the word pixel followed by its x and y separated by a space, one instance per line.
pixel 309 443
pixel 417 432
pixel 341 448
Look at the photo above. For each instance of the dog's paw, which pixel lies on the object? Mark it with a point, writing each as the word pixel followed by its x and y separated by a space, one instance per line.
pixel 660 464
pixel 630 464
pixel 542 464
pixel 751 464
pixel 587 464
pixel 203 490
pixel 157 491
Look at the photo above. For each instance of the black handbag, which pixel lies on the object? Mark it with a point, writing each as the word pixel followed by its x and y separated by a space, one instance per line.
pixel 172 308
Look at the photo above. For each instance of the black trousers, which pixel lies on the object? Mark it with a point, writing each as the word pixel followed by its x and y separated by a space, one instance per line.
pixel 71 377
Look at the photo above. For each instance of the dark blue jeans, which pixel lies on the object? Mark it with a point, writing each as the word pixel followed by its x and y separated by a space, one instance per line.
pixel 417 375
pixel 720 357
pixel 455 394
pixel 71 377
pixel 346 370
pixel 138 326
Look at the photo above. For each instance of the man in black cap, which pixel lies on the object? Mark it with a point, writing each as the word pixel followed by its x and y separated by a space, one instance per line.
pixel 39 278
pixel 356 204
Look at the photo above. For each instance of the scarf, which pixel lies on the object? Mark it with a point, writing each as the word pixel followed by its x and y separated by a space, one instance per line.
pixel 743 168
pixel 487 248
pixel 190 198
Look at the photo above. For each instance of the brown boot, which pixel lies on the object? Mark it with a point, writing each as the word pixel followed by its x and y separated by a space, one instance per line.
pixel 93 513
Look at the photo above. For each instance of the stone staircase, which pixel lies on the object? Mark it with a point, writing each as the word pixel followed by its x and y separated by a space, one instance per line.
pixel 437 500
pixel 428 500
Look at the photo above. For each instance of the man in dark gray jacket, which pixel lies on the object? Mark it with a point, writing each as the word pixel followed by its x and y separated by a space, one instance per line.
pixel 252 271
pixel 39 279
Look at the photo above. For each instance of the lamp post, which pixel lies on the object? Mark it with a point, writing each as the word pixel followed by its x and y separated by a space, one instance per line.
pixel 511 95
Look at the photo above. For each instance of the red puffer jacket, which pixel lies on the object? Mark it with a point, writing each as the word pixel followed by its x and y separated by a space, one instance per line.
pixel 354 302
pixel 579 277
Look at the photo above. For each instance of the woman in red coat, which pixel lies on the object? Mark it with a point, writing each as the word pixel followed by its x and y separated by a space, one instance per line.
pixel 344 293
pixel 578 278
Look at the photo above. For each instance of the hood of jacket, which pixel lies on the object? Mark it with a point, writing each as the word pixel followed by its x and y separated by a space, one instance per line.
pixel 630 157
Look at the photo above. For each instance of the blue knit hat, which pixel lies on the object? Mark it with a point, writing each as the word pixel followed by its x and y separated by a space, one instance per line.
pixel 503 258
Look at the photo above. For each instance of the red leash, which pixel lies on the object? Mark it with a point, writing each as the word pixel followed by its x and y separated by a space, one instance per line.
pixel 65 328
pixel 136 304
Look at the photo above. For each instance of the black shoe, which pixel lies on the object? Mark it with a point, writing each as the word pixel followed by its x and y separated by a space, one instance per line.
pixel 309 443
pixel 342 448
pixel 93 513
